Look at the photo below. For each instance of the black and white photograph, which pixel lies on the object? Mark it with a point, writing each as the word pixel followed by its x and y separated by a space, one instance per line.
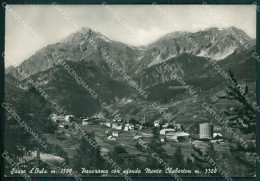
pixel 130 90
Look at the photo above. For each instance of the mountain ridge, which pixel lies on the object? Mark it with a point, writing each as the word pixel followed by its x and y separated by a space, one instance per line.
pixel 79 46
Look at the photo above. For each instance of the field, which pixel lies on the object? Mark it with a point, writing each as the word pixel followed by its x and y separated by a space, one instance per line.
pixel 124 139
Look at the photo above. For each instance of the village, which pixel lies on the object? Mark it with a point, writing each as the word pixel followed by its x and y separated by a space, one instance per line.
pixel 166 131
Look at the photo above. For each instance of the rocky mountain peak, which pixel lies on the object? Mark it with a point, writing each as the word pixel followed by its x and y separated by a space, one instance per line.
pixel 215 43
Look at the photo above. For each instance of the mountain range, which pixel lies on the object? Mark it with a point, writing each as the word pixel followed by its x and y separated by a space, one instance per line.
pixel 186 52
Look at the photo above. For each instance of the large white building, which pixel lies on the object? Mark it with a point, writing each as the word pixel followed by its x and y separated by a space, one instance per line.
pixel 206 131
pixel 176 136
pixel 165 131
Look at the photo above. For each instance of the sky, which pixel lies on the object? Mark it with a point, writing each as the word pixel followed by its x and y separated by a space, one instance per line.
pixel 135 24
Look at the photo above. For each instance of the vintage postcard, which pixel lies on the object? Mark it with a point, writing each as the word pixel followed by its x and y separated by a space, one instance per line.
pixel 131 90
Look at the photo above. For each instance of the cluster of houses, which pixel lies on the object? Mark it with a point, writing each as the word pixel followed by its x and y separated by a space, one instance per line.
pixel 171 132
pixel 119 125
pixel 175 132
pixel 159 124
pixel 62 120
pixel 168 132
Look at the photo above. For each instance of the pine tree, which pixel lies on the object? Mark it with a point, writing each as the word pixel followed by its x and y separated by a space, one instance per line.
pixel 206 161
pixel 243 118
pixel 119 155
pixel 34 110
pixel 177 160
pixel 155 146
pixel 189 164
pixel 17 141
pixel 87 156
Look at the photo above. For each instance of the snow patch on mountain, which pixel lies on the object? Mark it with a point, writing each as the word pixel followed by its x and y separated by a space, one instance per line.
pixel 220 55
pixel 227 51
